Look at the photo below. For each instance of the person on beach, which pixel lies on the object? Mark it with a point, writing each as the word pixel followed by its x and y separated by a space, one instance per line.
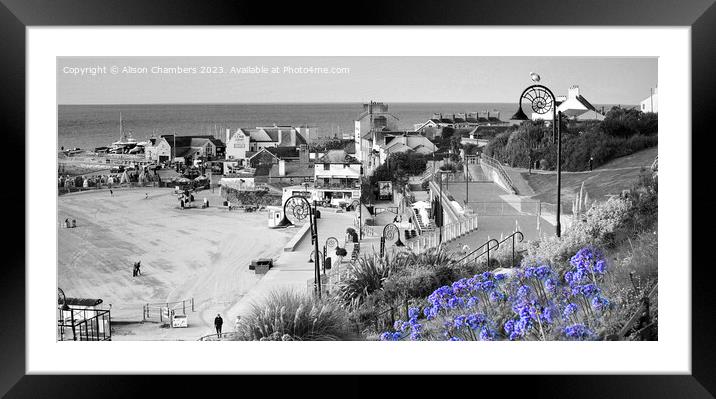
pixel 218 322
pixel 139 264
pixel 111 193
pixel 74 223
pixel 146 195
pixel 67 223
pixel 134 270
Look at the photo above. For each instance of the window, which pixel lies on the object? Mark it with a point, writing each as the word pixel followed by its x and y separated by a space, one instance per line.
pixel 326 166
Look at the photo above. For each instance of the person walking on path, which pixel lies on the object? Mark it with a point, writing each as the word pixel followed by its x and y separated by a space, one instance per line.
pixel 591 161
pixel 218 322
pixel 139 264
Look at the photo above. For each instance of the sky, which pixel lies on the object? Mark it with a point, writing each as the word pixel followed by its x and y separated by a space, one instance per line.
pixel 167 80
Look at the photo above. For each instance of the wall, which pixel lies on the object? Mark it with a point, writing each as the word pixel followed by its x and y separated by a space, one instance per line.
pixel 350 170
pixel 237 146
pixel 492 174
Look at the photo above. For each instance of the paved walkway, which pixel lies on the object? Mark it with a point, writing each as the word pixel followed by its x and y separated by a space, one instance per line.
pixel 499 213
pixel 292 269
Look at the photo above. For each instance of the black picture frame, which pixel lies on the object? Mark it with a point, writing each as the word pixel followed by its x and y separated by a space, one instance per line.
pixel 16 15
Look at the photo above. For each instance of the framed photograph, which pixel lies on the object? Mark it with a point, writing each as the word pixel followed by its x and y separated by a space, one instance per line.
pixel 212 199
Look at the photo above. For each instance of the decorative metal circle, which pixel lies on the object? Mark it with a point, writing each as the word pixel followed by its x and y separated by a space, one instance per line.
pixel 297 209
pixel 540 100
pixel 331 243
pixel 391 232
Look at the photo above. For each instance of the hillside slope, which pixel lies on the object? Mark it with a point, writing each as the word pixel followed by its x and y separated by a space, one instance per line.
pixel 609 179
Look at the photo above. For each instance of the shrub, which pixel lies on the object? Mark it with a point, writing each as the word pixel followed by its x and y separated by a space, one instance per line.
pixel 288 315
pixel 531 303
pixel 496 147
pixel 363 278
pixel 622 133
pixel 622 122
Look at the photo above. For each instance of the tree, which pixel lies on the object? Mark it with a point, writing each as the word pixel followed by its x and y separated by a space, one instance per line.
pixel 623 122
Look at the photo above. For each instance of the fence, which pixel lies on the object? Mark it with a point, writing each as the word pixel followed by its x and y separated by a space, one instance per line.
pixel 506 208
pixel 75 189
pixel 161 312
pixel 449 232
pixel 499 175
pixel 84 325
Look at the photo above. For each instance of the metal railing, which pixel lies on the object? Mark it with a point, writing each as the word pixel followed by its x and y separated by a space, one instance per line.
pixel 483 249
pixel 498 168
pixel 512 237
pixel 450 232
pixel 155 311
pixel 84 325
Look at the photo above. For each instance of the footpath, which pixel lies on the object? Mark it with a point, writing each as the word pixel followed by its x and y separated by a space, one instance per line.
pixel 292 270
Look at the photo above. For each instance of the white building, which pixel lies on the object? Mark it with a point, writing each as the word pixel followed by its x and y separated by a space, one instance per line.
pixel 244 143
pixel 405 143
pixel 374 118
pixel 651 103
pixel 572 106
pixel 337 177
pixel 158 150
pixel 180 148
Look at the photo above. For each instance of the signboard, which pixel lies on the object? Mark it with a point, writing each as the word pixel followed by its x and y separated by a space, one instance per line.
pixel 385 189
pixel 179 321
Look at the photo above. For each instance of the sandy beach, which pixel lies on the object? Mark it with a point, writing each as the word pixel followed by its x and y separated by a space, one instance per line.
pixel 192 253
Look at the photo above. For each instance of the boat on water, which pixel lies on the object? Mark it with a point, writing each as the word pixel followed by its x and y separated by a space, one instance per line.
pixel 126 143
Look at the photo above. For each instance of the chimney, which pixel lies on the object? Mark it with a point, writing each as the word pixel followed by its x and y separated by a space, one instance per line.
pixel 281 167
pixel 573 91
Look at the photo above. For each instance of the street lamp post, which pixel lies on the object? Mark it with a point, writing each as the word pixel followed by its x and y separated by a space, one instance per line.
pixel 389 231
pixel 300 207
pixel 440 207
pixel 542 100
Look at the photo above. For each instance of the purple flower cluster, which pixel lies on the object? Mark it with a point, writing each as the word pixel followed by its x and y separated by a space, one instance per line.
pixel 578 332
pixel 388 336
pixel 411 327
pixel 544 306
pixel 583 279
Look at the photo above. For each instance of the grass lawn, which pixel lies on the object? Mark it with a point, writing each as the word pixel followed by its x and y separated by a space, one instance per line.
pixel 610 179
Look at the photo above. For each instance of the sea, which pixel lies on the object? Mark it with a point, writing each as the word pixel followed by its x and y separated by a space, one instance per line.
pixel 91 126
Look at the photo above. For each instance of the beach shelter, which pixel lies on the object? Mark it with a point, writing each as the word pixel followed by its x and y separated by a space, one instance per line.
pixel 124 178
